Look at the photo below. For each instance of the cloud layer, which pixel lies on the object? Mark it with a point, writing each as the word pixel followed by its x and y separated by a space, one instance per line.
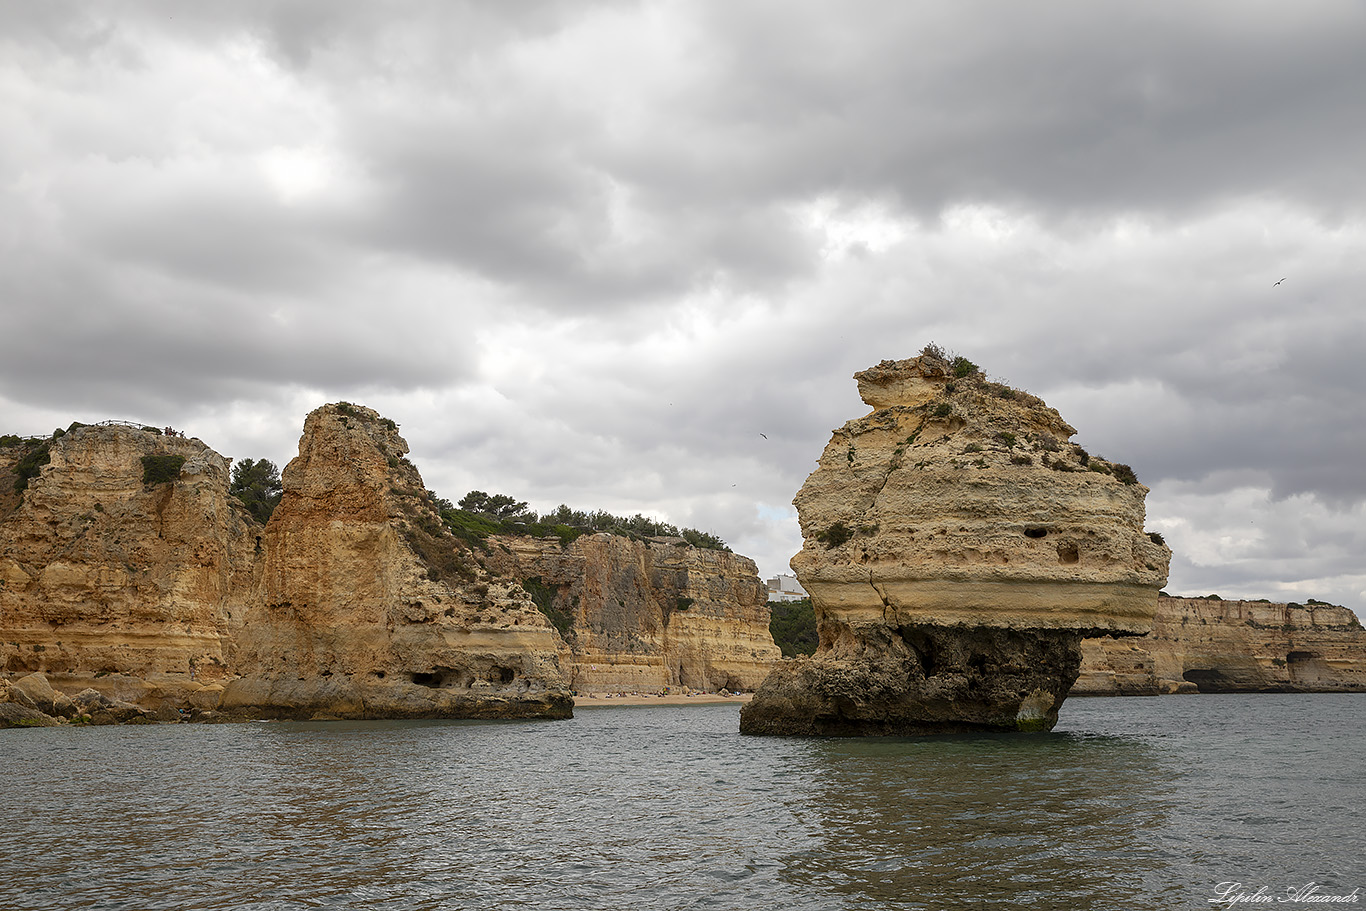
pixel 590 252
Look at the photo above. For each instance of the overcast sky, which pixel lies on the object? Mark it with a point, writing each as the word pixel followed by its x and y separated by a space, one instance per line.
pixel 587 253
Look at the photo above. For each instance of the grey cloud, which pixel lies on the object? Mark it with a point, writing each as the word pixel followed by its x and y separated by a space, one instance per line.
pixel 1067 108
pixel 1157 168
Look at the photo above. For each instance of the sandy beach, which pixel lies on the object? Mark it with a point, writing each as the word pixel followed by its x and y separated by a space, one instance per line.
pixel 595 700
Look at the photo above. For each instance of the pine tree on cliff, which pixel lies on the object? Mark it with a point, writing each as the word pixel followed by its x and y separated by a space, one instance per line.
pixel 257 484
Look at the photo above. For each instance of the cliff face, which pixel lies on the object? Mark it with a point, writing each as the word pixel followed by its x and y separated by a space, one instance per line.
pixel 956 548
pixel 352 601
pixel 367 607
pixel 102 573
pixel 644 616
pixel 1214 646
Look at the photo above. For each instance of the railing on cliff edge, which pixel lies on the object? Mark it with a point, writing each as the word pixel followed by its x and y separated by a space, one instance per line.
pixel 137 425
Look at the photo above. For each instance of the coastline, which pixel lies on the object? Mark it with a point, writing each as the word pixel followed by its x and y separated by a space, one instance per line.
pixel 595 700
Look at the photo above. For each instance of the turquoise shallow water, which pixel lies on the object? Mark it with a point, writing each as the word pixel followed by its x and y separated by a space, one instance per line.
pixel 1130 803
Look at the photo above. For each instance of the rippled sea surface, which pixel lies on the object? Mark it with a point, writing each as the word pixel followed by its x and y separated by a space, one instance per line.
pixel 1130 803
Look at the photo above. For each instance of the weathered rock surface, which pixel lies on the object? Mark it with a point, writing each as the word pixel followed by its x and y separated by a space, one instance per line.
pixel 956 548
pixel 367 607
pixel 1217 646
pixel 352 602
pixel 20 710
pixel 15 715
pixel 101 572
pixel 647 616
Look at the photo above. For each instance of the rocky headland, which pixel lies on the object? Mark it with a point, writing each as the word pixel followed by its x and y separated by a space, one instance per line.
pixel 130 571
pixel 957 549
pixel 1213 645
pixel 134 586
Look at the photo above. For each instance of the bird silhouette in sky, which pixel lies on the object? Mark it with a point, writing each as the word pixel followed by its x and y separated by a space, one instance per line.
pixel 1277 283
pixel 762 434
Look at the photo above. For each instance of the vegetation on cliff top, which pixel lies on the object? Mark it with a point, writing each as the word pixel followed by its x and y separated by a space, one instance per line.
pixel 481 514
pixel 971 375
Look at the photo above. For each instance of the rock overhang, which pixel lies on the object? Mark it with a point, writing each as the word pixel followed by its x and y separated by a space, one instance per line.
pixel 957 511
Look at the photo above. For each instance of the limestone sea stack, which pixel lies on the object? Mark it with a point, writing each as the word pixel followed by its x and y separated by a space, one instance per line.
pixel 368 607
pixel 957 549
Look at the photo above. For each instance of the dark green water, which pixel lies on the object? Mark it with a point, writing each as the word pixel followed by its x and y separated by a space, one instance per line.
pixel 1131 803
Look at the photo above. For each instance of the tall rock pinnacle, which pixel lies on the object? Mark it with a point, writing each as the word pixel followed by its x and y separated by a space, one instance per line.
pixel 957 548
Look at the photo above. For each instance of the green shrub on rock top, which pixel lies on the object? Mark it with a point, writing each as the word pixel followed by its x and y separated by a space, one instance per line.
pixel 158 469
pixel 1124 473
pixel 962 367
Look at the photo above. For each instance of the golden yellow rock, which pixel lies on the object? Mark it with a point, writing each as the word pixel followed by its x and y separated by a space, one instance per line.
pixel 1226 646
pixel 647 616
pixel 367 607
pixel 957 546
pixel 352 602
pixel 957 499
pixel 101 572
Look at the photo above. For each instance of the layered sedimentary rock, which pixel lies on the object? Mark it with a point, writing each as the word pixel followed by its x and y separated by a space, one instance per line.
pixel 353 601
pixel 1217 646
pixel 107 570
pixel 957 548
pixel 367 607
pixel 647 616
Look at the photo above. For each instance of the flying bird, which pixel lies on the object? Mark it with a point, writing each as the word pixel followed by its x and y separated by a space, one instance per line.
pixel 762 434
pixel 1277 283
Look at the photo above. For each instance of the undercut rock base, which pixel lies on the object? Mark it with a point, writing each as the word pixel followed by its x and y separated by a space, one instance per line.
pixel 916 680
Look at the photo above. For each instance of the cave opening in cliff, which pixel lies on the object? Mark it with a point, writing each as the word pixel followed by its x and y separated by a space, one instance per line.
pixel 1208 680
pixel 1035 532
pixel 423 678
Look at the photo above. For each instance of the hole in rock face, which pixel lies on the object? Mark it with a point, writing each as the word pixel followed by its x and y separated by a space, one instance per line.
pixel 1294 657
pixel 923 647
pixel 1068 553
pixel 427 679
pixel 502 675
pixel 1207 680
pixel 1035 532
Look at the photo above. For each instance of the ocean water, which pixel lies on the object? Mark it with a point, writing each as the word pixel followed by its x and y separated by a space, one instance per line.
pixel 1129 803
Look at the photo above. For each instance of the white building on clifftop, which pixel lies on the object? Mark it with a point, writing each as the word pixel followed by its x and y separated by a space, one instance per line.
pixel 783 587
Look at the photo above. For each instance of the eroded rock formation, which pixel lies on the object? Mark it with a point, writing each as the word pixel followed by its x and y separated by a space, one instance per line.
pixel 105 573
pixel 367 607
pixel 353 601
pixel 161 595
pixel 1220 646
pixel 957 548
pixel 645 616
